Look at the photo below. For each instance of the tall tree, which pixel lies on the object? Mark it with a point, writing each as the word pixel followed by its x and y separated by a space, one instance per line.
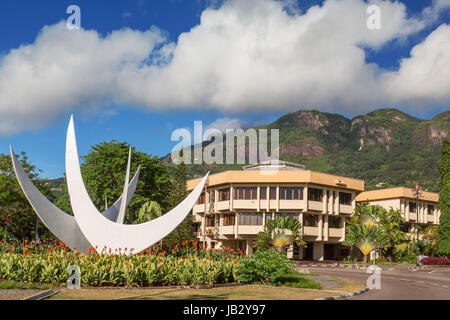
pixel 14 206
pixel 443 239
pixel 149 211
pixel 104 169
pixel 186 229
pixel 393 223
pixel 366 237
pixel 365 230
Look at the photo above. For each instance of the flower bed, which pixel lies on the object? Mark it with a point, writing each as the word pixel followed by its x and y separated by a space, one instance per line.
pixel 435 261
pixel 182 265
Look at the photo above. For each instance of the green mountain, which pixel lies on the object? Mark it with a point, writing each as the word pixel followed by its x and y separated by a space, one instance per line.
pixel 385 147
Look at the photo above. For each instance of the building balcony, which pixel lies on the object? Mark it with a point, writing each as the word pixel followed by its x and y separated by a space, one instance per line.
pixel 263 204
pixel 206 232
pixel 310 231
pixel 253 230
pixel 345 208
pixel 273 204
pixel 412 215
pixel 315 205
pixel 223 205
pixel 198 208
pixel 430 218
pixel 291 204
pixel 227 230
pixel 245 204
pixel 335 232
pixel 197 218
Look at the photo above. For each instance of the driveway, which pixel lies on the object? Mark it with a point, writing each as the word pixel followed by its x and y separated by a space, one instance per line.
pixel 427 284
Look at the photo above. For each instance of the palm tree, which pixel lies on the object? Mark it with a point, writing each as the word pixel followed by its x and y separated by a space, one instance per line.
pixel 366 237
pixel 150 210
pixel 367 214
pixel 280 233
pixel 364 230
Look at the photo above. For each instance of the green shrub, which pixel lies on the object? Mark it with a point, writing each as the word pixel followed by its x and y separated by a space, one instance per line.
pixel 443 238
pixel 266 266
pixel 116 270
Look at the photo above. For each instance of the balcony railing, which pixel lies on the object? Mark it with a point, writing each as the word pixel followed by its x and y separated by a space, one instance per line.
pixel 335 232
pixel 198 208
pixel 310 231
pixel 345 208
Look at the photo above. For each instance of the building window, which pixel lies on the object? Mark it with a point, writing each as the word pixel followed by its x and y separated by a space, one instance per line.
pixel 291 193
pixel 263 192
pixel 334 222
pixel 430 209
pixel 245 193
pixel 268 216
pixel 412 207
pixel 286 215
pixel 250 218
pixel 201 199
pixel 224 194
pixel 282 193
pixel 212 196
pixel 229 220
pixel 310 220
pixel 314 194
pixel 273 193
pixel 210 221
pixel 345 198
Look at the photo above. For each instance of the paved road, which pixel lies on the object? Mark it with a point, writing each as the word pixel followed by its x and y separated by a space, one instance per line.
pixel 399 284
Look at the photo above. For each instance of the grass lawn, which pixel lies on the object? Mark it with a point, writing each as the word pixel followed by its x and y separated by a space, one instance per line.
pixel 293 291
pixel 9 284
pixel 295 280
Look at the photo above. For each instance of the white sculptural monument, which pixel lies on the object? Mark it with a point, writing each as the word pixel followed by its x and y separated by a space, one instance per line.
pixel 100 230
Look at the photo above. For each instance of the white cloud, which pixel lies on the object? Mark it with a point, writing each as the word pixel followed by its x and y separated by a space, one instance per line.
pixel 222 124
pixel 66 69
pixel 245 55
pixel 425 76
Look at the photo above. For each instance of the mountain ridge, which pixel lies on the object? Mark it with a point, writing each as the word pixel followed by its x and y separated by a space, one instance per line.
pixel 385 146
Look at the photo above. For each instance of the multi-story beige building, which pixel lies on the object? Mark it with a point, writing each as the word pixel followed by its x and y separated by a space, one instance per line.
pixel 236 205
pixel 402 199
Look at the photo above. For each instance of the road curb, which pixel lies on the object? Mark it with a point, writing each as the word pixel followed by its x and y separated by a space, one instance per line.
pixel 347 295
pixel 42 295
pixel 363 267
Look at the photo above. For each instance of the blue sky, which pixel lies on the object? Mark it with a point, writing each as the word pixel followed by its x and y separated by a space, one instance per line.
pixel 136 120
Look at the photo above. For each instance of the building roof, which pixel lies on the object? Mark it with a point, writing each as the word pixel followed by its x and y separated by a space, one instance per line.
pixel 390 193
pixel 279 177
pixel 274 165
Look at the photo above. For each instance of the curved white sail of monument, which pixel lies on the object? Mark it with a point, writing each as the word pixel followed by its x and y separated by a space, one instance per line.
pixel 61 224
pixel 102 232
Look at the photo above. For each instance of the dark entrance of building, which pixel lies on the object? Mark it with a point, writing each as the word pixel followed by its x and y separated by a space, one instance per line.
pixel 330 251
pixel 308 251
pixel 343 252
